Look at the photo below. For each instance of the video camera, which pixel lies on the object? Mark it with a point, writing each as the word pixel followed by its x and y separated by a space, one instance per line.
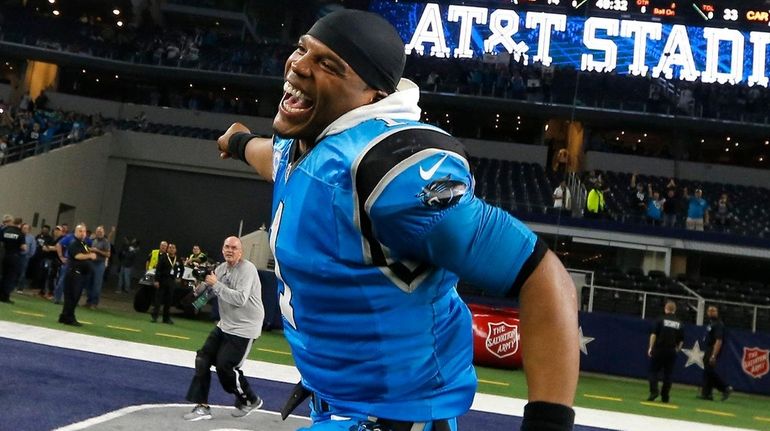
pixel 199 272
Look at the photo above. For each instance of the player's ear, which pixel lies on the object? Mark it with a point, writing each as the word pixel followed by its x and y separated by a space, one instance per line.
pixel 379 96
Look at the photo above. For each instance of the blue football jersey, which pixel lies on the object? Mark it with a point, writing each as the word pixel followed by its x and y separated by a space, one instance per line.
pixel 370 231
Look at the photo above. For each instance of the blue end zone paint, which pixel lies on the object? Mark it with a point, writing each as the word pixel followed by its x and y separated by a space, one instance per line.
pixel 44 387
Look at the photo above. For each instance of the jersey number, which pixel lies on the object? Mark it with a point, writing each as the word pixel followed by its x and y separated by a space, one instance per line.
pixel 285 299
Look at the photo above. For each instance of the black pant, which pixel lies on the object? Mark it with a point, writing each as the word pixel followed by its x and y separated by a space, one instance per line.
pixel 73 288
pixel 11 272
pixel 226 352
pixel 45 277
pixel 711 379
pixel 662 360
pixel 163 297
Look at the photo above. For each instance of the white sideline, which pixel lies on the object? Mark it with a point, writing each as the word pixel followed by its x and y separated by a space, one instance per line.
pixel 289 374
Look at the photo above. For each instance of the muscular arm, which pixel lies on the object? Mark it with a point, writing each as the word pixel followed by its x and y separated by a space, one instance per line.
pixel 549 312
pixel 259 151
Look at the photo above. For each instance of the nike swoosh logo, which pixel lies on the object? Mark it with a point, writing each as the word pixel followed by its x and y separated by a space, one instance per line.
pixel 426 175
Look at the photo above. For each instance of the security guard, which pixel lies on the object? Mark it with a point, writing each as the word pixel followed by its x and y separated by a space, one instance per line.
pixel 715 332
pixel 152 259
pixel 666 341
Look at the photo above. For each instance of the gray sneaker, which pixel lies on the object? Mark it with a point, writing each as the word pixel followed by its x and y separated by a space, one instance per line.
pixel 246 409
pixel 198 413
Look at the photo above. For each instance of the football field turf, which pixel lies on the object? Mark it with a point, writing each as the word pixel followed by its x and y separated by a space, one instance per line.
pixel 594 391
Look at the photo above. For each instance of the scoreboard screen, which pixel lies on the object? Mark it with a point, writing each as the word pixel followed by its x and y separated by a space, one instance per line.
pixel 636 37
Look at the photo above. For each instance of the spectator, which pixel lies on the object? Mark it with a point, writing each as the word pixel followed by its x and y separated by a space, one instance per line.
pixel 560 163
pixel 638 198
pixel 654 206
pixel 26 256
pixel 697 210
pixel 562 198
pixel 127 255
pixel 670 208
pixel 723 214
pixel 101 247
pixel 595 204
pixel 48 265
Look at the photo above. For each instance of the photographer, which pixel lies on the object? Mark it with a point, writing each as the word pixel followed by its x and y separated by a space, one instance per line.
pixel 236 283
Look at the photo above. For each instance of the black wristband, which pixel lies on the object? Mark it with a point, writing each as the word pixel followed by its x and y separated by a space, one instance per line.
pixel 236 145
pixel 544 416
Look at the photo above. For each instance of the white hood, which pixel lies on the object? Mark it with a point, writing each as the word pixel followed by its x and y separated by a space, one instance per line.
pixel 402 105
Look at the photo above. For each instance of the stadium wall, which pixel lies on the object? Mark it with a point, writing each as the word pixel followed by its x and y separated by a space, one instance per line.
pixel 677 169
pixel 74 175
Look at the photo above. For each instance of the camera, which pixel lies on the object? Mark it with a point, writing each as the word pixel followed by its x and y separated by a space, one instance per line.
pixel 199 272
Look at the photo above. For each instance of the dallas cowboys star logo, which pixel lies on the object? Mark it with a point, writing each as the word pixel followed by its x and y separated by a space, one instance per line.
pixel 584 341
pixel 694 356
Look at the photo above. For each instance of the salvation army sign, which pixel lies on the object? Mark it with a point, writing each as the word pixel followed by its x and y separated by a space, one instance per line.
pixel 589 43
pixel 756 361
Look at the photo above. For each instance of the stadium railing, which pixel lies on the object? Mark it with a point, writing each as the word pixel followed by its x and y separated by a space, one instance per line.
pixel 31 148
pixel 644 304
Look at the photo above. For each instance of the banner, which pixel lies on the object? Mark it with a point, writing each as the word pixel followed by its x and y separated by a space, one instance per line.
pixel 616 344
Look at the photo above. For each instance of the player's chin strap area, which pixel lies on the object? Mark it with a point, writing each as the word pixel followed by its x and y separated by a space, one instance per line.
pixel 301 393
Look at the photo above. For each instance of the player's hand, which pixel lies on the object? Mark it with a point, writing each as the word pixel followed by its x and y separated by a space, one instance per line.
pixel 649 353
pixel 712 361
pixel 225 138
pixel 211 279
pixel 92 255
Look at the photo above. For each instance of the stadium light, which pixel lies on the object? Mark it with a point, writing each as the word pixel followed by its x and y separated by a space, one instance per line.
pixel 767 142
pixel 116 12
pixel 56 12
pixel 728 139
pixel 120 23
pixel 83 71
pixel 52 1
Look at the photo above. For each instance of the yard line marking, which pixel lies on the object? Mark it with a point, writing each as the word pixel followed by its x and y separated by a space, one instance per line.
pixel 274 351
pixel 85 322
pixel 123 328
pixel 715 412
pixel 492 382
pixel 602 397
pixel 763 419
pixel 161 334
pixel 27 313
pixel 661 405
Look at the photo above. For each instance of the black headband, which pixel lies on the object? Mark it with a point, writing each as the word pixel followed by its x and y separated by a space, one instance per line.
pixel 367 42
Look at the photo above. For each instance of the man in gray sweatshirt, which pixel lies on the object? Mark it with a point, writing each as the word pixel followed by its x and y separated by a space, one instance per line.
pixel 236 283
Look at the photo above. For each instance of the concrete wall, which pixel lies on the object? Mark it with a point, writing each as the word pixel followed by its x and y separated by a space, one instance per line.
pixel 74 175
pixel 90 175
pixel 678 169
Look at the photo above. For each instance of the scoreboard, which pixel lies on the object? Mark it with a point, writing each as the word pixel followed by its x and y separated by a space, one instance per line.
pixel 731 13
pixel 712 42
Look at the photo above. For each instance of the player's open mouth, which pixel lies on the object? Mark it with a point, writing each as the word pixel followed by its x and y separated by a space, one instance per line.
pixel 295 101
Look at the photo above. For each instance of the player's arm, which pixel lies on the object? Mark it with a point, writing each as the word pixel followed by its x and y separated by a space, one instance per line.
pixel 423 208
pixel 238 142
